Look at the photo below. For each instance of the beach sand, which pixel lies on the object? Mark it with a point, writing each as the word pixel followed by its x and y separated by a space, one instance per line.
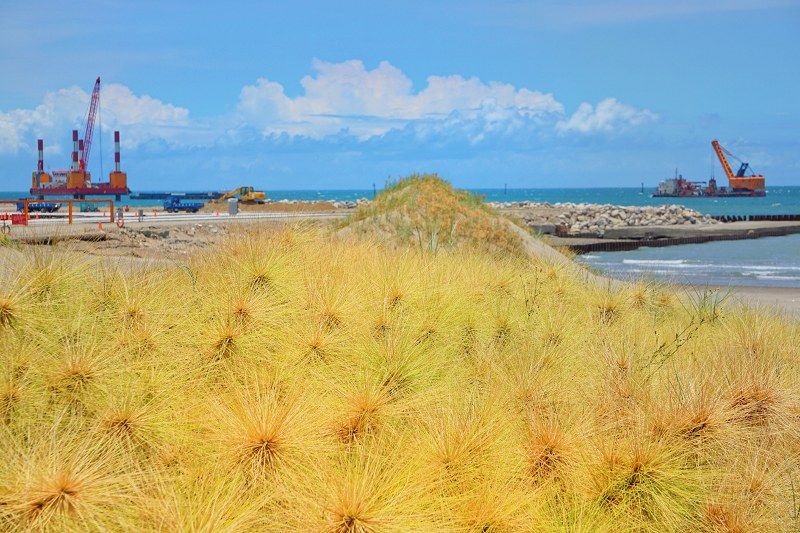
pixel 783 299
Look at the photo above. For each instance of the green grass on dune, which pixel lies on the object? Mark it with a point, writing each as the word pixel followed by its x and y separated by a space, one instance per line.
pixel 426 212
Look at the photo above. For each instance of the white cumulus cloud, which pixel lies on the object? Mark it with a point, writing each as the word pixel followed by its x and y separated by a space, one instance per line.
pixel 371 102
pixel 141 118
pixel 607 116
pixel 334 98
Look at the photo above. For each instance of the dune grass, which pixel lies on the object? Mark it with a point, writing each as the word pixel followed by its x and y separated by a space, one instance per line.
pixel 293 382
pixel 426 212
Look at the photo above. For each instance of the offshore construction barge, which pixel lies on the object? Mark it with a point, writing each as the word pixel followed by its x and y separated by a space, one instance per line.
pixel 77 180
pixel 739 184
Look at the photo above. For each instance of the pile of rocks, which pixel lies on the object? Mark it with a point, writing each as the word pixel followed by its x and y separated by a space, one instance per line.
pixel 343 204
pixel 349 204
pixel 598 218
pixel 172 237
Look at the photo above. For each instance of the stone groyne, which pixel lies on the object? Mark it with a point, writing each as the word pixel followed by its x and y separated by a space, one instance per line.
pixel 597 219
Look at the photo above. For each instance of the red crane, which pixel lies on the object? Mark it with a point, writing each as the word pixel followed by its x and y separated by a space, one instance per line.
pixel 87 136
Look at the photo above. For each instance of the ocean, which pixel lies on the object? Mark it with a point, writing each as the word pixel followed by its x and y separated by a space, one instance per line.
pixel 779 200
pixel 771 261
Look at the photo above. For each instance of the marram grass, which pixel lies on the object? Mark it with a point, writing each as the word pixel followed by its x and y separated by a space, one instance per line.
pixel 289 381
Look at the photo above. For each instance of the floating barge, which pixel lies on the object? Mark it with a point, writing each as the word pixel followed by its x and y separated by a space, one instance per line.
pixel 77 181
pixel 740 184
pixel 211 195
pixel 682 188
pixel 95 189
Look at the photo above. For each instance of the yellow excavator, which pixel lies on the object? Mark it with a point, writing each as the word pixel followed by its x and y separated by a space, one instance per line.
pixel 245 194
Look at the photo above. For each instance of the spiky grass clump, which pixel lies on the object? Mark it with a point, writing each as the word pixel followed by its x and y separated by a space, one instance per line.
pixel 265 432
pixel 65 480
pixel 368 489
pixel 289 380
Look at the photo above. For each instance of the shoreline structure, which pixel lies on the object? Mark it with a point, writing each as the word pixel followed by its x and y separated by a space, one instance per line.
pixel 587 228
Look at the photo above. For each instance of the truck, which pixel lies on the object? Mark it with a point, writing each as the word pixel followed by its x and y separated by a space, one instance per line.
pixel 174 204
pixel 42 207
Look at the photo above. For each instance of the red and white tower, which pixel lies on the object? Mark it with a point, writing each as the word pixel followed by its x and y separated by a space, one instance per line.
pixel 74 150
pixel 116 151
pixel 118 179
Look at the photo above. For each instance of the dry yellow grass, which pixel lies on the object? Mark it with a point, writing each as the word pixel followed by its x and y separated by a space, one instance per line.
pixel 293 382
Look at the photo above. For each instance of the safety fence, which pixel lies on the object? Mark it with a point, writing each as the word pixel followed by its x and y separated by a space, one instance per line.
pixel 30 209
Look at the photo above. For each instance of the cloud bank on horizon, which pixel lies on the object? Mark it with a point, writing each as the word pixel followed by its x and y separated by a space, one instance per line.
pixel 337 99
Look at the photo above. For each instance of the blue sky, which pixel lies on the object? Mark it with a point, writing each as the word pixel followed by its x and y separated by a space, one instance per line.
pixel 342 95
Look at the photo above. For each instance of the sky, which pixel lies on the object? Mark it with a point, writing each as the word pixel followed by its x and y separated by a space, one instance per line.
pixel 341 95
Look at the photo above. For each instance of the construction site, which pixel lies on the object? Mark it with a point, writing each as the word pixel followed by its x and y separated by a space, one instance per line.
pixel 76 182
pixel 71 197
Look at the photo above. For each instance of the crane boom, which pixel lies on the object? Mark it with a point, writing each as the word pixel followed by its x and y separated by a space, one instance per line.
pixel 722 159
pixel 87 136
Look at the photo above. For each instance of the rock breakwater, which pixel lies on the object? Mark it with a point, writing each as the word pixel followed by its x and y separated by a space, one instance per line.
pixel 596 219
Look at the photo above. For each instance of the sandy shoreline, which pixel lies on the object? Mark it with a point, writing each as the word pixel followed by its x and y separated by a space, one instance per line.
pixel 783 299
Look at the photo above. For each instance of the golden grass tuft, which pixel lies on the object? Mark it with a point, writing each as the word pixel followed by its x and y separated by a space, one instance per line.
pixel 9 312
pixel 69 481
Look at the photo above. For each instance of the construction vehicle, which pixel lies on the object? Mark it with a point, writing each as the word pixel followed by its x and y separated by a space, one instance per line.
pixel 739 184
pixel 77 181
pixel 174 204
pixel 245 195
pixel 42 207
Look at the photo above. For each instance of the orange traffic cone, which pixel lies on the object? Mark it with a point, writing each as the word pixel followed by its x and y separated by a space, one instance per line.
pixel 100 226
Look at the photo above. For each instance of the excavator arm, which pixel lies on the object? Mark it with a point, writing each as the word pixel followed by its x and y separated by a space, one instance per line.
pixel 231 194
pixel 246 194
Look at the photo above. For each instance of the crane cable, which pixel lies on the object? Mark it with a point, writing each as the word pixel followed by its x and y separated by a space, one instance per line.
pixel 730 154
pixel 739 160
